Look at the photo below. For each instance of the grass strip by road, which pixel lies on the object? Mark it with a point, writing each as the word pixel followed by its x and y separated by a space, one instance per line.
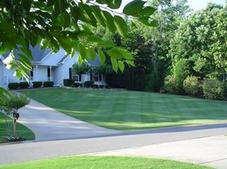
pixel 6 130
pixel 127 110
pixel 88 162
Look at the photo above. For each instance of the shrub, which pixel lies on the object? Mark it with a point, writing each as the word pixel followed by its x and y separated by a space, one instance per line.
pixel 180 72
pixel 225 91
pixel 48 84
pixel 16 101
pixel 192 86
pixel 170 84
pixel 24 85
pixel 68 82
pixel 213 89
pixel 153 82
pixel 95 86
pixel 13 85
pixel 88 83
pixel 37 84
pixel 76 85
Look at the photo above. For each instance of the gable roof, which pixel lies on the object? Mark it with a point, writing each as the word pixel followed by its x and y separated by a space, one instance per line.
pixel 37 53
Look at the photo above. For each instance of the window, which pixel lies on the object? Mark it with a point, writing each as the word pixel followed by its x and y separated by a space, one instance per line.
pixel 31 74
pixel 48 73
pixel 70 73
pixel 97 77
pixel 75 76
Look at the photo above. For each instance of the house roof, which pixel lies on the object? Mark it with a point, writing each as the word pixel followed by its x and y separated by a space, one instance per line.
pixel 37 53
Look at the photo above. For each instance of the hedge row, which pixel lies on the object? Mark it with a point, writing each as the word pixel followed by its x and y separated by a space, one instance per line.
pixel 25 85
pixel 87 84
pixel 192 86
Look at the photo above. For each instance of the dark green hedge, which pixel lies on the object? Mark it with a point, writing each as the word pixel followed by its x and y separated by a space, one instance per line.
pixel 13 85
pixel 48 84
pixel 24 85
pixel 88 84
pixel 37 84
pixel 68 82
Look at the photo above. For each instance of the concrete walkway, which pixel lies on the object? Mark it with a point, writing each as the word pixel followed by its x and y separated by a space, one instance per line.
pixel 48 124
pixel 210 151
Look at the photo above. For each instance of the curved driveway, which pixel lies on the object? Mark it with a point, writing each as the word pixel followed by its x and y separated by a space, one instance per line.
pixel 48 124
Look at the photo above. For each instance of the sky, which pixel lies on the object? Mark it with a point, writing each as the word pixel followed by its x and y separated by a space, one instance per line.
pixel 194 4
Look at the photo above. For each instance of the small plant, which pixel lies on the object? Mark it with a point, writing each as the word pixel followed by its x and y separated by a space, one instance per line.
pixel 77 85
pixel 48 84
pixel 68 82
pixel 88 84
pixel 180 72
pixel 12 103
pixel 192 86
pixel 24 85
pixel 13 86
pixel 170 84
pixel 213 89
pixel 37 84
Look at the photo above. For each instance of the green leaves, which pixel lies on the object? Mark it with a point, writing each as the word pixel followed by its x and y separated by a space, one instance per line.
pixel 137 9
pixel 114 4
pixel 134 8
pixel 121 25
pixel 109 21
pixel 66 24
pixel 119 56
pixel 102 56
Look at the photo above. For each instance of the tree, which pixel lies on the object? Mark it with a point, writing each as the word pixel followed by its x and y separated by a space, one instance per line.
pixel 11 104
pixel 201 40
pixel 150 45
pixel 64 23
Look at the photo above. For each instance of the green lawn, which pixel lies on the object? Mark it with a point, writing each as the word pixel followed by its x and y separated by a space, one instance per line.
pixel 119 109
pixel 22 131
pixel 85 162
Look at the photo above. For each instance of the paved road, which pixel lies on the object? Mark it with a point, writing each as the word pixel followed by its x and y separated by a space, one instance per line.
pixel 49 149
pixel 48 124
pixel 210 151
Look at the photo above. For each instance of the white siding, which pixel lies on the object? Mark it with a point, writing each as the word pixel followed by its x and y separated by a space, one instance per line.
pixel 1 75
pixel 62 71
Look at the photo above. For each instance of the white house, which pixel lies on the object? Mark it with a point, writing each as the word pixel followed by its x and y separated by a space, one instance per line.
pixel 48 66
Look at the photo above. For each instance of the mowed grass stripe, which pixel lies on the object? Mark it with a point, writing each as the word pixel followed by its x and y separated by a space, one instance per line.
pixel 126 110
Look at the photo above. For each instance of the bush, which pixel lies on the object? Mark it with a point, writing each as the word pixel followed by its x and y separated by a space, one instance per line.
pixel 153 82
pixel 88 83
pixel 24 85
pixel 37 84
pixel 170 84
pixel 13 85
pixel 48 84
pixel 225 91
pixel 180 72
pixel 213 89
pixel 76 85
pixel 68 82
pixel 192 86
pixel 16 101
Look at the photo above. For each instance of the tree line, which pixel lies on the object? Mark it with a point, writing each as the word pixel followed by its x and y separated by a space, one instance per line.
pixel 185 54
